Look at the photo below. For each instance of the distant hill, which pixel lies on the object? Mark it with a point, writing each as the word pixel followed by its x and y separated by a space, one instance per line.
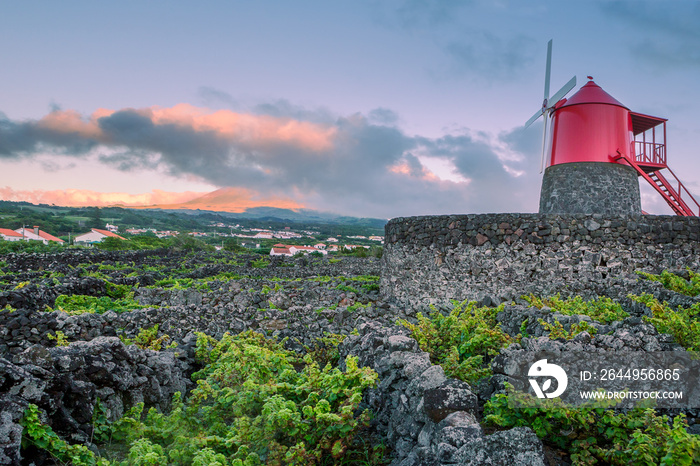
pixel 233 200
pixel 295 216
pixel 231 203
pixel 59 220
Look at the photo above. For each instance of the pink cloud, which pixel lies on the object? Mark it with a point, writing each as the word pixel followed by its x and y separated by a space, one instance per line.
pixel 403 168
pixel 84 197
pixel 70 121
pixel 222 200
pixel 252 130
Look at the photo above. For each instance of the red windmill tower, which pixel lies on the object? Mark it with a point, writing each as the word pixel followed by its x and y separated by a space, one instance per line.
pixel 598 150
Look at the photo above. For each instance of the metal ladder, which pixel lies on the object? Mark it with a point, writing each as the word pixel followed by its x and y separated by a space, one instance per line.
pixel 680 200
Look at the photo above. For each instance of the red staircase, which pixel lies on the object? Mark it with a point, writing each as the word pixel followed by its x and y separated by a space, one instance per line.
pixel 679 199
pixel 650 159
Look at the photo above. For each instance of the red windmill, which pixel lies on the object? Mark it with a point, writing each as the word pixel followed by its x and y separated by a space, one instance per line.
pixel 598 150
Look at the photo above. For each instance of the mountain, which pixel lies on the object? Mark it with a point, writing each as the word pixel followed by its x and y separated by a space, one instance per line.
pixel 237 203
pixel 235 200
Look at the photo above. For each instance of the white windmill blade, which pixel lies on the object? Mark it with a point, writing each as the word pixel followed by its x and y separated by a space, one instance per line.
pixel 562 92
pixel 544 139
pixel 547 73
pixel 534 117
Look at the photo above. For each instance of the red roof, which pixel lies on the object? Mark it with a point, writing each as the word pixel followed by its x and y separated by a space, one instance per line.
pixel 8 232
pixel 107 233
pixel 281 251
pixel 42 234
pixel 49 237
pixel 591 93
pixel 641 122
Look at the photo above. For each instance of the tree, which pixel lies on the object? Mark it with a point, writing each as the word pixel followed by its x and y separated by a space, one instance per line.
pixel 95 219
pixel 231 244
pixel 111 243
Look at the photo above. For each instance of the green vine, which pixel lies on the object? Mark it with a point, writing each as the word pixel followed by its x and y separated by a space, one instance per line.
pixel 38 434
pixel 461 341
pixel 594 433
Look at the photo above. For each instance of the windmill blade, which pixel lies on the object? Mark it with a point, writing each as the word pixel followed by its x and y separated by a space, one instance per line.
pixel 544 140
pixel 562 92
pixel 547 72
pixel 534 117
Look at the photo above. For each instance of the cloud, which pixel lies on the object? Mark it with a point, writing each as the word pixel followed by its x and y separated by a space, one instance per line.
pixel 455 29
pixel 663 37
pixel 83 197
pixel 485 53
pixel 22 139
pixel 429 13
pixel 383 116
pixel 223 200
pixel 212 97
pixel 355 164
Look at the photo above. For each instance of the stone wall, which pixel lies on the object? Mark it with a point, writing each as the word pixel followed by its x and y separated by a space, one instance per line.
pixel 590 187
pixel 65 383
pixel 498 257
pixel 429 419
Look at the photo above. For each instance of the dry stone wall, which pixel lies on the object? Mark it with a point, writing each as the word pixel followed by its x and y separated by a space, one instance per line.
pixel 493 258
pixel 590 187
pixel 429 419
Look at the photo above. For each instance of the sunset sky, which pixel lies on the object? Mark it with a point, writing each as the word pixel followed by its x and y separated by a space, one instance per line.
pixel 364 107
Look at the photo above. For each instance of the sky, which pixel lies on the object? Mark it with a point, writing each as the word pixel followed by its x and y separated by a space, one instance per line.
pixel 371 108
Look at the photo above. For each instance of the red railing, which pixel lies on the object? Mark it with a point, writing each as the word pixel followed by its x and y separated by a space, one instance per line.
pixel 685 198
pixel 680 200
pixel 650 152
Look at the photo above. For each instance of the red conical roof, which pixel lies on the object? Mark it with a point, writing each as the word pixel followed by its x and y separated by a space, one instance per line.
pixel 591 93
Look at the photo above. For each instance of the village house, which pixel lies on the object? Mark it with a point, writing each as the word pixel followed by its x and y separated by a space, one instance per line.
pixel 305 249
pixel 286 235
pixel 10 235
pixel 352 247
pixel 38 235
pixel 138 231
pixel 293 249
pixel 280 251
pixel 95 236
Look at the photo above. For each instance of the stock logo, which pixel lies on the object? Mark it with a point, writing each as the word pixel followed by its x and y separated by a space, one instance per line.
pixel 542 368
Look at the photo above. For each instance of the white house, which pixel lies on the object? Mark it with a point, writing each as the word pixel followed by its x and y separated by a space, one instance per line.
pixel 351 247
pixel 280 252
pixel 304 249
pixel 95 236
pixel 10 235
pixel 38 235
pixel 291 250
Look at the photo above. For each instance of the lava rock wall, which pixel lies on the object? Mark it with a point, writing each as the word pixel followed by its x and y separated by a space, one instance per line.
pixel 428 418
pixel 590 187
pixel 492 258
